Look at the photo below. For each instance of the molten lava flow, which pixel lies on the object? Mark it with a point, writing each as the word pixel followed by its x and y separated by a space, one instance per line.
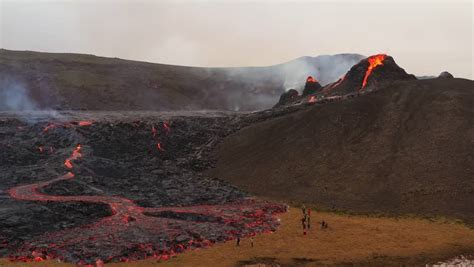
pixel 67 125
pixel 338 81
pixel 159 147
pixel 374 61
pixel 49 126
pixel 154 133
pixel 133 232
pixel 166 126
pixel 75 155
pixel 84 123
pixel 310 79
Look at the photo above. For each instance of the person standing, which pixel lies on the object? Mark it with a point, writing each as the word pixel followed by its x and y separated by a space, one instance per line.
pixel 238 240
pixel 303 222
pixel 251 241
pixel 308 219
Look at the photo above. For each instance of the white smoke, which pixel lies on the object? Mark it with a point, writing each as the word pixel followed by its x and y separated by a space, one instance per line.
pixel 15 98
pixel 325 69
pixel 262 86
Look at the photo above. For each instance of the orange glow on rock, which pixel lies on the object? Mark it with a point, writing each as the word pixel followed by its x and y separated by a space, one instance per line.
pixel 374 61
pixel 84 123
pixel 166 126
pixel 159 147
pixel 68 164
pixel 49 126
pixel 75 155
pixel 310 79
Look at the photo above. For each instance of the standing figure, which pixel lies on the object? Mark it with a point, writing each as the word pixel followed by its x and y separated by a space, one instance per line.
pixel 303 222
pixel 251 241
pixel 308 219
pixel 238 240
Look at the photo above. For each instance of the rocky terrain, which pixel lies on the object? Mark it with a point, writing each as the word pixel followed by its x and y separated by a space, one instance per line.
pixel 131 182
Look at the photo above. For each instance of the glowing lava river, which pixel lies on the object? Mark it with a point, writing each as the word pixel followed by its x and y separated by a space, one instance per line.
pixel 148 186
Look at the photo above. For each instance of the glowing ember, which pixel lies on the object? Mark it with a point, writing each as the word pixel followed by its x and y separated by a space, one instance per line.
pixel 338 81
pixel 49 126
pixel 166 126
pixel 310 79
pixel 66 125
pixel 84 123
pixel 68 164
pixel 374 61
pixel 159 147
pixel 75 155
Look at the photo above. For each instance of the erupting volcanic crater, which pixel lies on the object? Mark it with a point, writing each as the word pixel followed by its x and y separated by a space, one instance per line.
pixel 132 189
pixel 369 74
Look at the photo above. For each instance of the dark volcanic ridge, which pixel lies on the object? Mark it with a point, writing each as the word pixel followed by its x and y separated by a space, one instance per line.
pixel 39 81
pixel 406 147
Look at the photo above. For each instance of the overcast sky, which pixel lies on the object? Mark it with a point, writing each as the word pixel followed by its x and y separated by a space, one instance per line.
pixel 424 37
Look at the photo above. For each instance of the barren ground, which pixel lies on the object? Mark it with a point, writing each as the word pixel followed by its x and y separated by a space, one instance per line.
pixel 349 239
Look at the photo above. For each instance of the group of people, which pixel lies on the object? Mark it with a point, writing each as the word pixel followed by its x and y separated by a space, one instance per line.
pixel 306 220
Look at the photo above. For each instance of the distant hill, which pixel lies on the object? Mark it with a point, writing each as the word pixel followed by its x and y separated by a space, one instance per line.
pixel 405 149
pixel 33 80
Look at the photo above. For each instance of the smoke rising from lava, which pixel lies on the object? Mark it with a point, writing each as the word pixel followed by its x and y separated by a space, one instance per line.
pixel 325 69
pixel 15 97
pixel 268 83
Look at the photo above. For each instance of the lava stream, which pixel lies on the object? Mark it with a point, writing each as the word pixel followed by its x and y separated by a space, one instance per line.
pixel 75 155
pixel 374 61
pixel 134 232
pixel 310 79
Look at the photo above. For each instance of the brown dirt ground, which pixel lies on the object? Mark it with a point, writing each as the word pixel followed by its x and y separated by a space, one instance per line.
pixel 349 239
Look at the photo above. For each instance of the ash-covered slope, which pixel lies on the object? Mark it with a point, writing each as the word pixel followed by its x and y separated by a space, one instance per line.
pixel 33 80
pixel 405 148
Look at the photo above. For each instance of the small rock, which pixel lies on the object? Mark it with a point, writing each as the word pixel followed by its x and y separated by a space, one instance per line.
pixel 445 75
